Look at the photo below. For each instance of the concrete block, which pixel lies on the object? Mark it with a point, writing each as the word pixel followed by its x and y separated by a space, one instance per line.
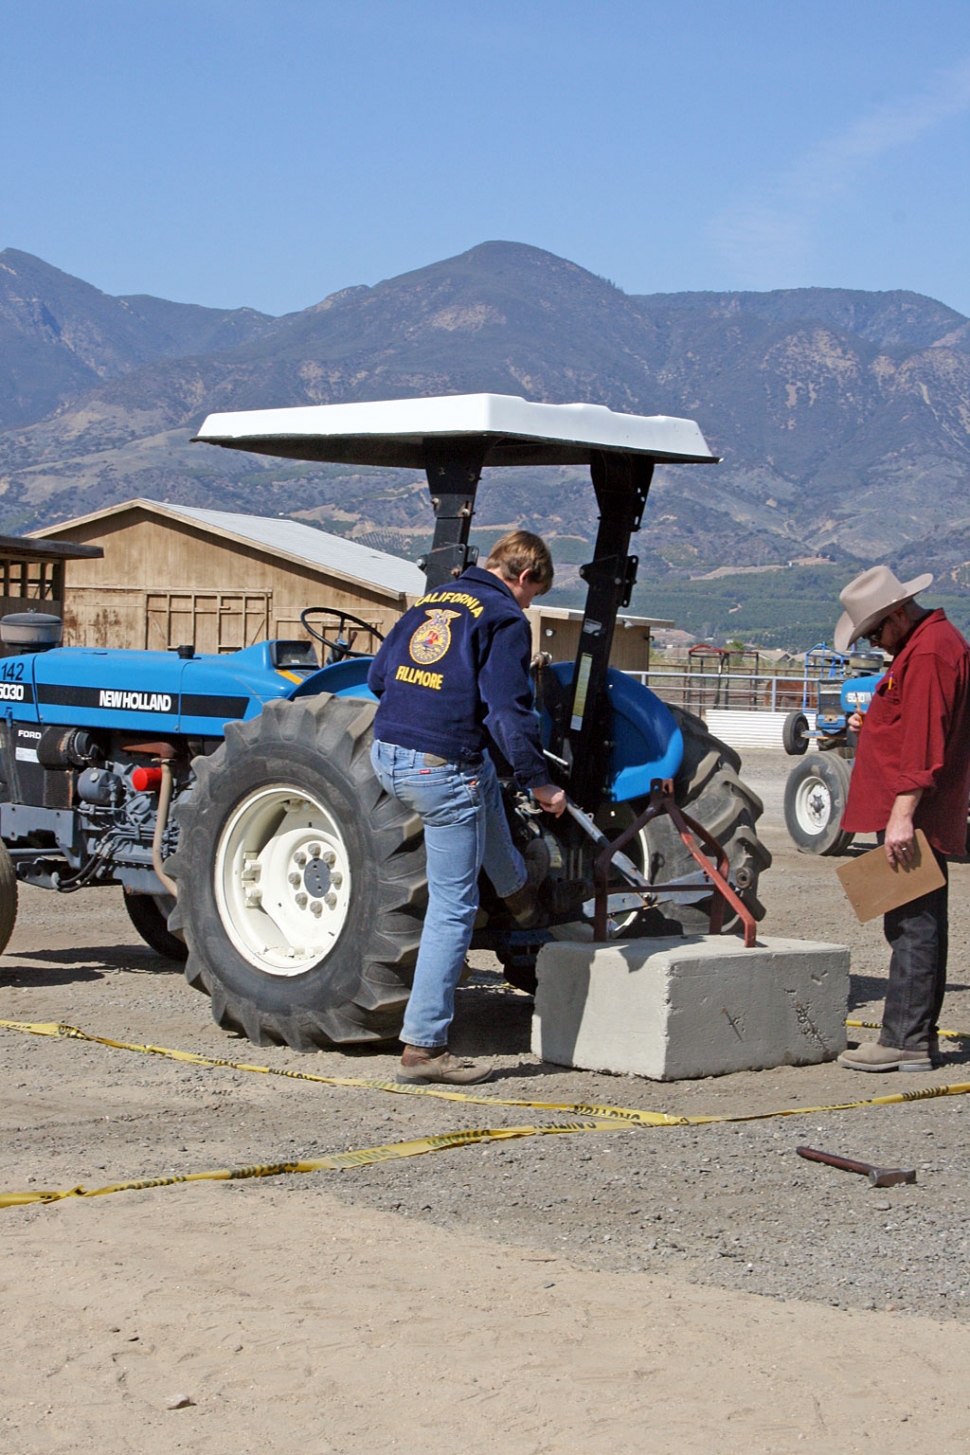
pixel 701 1005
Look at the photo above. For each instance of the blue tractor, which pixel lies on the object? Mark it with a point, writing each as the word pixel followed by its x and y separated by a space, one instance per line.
pixel 817 789
pixel 233 799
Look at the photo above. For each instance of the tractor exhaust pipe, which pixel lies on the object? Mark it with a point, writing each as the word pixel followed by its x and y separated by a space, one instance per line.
pixel 165 789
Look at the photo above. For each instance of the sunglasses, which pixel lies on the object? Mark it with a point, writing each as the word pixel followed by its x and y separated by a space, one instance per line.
pixel 875 632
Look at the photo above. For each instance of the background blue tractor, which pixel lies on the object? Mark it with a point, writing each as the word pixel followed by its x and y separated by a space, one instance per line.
pixel 817 789
pixel 233 799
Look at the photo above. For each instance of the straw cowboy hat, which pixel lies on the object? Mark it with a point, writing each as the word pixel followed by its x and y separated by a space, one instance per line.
pixel 870 598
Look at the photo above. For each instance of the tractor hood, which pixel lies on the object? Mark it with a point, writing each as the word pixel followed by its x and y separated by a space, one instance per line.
pixel 516 431
pixel 148 692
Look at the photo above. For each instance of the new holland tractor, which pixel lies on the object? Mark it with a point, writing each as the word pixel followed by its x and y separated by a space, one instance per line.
pixel 818 787
pixel 232 797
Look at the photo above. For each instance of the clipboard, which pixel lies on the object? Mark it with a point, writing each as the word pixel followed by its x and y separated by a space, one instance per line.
pixel 873 885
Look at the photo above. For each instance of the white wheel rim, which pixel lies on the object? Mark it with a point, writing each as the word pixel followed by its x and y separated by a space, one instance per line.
pixel 612 822
pixel 621 815
pixel 813 805
pixel 282 880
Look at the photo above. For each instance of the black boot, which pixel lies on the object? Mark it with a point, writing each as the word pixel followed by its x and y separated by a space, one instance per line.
pixel 523 905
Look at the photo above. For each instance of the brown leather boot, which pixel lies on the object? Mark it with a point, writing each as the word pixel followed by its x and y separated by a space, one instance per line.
pixel 437 1064
pixel 873 1056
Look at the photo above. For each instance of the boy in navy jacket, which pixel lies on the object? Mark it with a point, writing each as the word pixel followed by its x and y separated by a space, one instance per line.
pixel 452 676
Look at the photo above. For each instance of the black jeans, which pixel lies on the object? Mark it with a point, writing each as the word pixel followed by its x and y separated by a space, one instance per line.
pixel 918 935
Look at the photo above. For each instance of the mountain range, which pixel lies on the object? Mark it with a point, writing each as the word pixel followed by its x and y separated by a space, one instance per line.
pixel 843 417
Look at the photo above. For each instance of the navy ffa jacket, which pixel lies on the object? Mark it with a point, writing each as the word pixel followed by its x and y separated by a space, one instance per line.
pixel 454 671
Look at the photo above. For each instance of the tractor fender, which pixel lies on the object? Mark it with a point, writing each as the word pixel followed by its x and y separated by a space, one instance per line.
pixel 647 743
pixel 342 679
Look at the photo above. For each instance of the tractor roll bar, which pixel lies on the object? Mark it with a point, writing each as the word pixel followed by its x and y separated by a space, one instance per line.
pixel 453 437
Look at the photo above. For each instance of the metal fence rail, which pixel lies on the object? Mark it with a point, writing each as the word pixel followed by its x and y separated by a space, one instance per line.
pixel 753 691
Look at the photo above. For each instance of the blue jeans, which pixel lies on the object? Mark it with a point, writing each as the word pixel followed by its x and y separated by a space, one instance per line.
pixel 465 829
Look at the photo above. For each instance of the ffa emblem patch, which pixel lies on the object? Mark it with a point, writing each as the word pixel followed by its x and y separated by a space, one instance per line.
pixel 433 637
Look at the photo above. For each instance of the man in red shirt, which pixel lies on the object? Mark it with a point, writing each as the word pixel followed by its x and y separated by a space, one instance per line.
pixel 912 770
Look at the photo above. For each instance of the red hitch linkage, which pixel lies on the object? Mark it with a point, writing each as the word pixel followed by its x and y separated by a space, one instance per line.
pixel 662 802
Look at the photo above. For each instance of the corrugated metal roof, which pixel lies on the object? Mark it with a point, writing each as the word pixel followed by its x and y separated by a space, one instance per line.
pixel 24 548
pixel 575 613
pixel 317 547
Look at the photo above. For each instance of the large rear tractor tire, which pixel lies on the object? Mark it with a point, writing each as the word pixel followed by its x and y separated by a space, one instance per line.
pixel 150 919
pixel 302 884
pixel 708 789
pixel 8 897
pixel 815 799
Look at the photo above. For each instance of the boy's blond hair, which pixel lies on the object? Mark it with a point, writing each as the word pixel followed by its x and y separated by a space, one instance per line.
pixel 520 551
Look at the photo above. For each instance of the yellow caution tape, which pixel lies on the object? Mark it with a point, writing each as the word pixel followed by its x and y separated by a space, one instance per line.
pixel 367 1156
pixel 945 1035
pixel 602 1118
pixel 336 1161
pixel 632 1116
pixel 398 1088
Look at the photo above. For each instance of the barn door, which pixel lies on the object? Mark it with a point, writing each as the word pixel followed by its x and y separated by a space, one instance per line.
pixel 212 621
pixel 243 619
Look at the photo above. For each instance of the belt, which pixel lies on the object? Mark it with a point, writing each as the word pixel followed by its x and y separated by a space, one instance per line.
pixel 432 760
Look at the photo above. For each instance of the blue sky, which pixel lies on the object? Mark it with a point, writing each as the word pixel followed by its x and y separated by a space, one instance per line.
pixel 269 152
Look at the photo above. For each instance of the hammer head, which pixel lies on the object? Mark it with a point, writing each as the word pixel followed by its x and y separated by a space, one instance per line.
pixel 891 1176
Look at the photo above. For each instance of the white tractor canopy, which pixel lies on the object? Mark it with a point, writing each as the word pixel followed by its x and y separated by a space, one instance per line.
pixel 398 431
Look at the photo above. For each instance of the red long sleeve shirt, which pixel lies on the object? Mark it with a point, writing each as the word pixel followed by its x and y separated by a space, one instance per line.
pixel 916 734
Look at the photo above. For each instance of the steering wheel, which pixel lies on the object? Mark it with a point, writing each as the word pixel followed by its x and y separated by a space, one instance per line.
pixel 340 647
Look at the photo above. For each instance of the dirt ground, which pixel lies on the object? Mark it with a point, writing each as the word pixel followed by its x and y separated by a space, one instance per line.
pixel 650 1290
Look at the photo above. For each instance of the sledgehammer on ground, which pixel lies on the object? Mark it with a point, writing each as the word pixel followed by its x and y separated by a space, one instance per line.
pixel 878 1176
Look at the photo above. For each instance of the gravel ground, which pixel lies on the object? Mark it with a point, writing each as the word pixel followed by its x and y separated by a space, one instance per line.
pixel 724 1205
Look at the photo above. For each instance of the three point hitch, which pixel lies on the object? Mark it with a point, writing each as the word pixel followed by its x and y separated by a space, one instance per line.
pixel 612 857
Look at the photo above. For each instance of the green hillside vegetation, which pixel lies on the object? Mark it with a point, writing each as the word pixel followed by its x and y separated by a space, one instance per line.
pixel 794 608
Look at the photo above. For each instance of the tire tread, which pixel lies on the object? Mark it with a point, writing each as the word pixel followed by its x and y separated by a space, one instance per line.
pixel 710 789
pixel 368 1004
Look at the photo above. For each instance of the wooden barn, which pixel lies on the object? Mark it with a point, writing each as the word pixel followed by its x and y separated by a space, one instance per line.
pixel 175 574
pixel 555 629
